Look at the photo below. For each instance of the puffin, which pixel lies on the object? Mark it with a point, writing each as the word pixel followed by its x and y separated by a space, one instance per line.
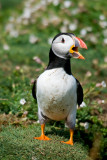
pixel 56 90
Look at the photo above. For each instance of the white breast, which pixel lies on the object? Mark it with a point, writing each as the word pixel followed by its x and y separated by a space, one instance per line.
pixel 56 93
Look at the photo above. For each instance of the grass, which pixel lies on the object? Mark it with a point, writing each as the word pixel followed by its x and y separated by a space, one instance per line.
pixel 18 144
pixel 18 69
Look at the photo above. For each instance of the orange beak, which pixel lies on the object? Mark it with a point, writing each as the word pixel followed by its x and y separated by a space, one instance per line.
pixel 74 49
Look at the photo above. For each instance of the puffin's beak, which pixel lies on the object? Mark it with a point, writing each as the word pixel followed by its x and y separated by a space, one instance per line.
pixel 74 49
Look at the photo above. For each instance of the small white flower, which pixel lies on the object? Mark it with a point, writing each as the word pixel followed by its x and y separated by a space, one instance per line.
pixel 63 29
pixel 37 59
pixel 14 33
pixel 17 68
pixel 11 19
pixel 50 40
pixel 75 11
pixel 66 126
pixel 103 101
pixel 26 13
pixel 83 32
pixel 73 27
pixel 101 17
pixel 9 27
pixel 103 24
pixel 105 41
pixel 86 125
pixel 22 101
pixel 88 74
pixel 6 47
pixel 19 20
pixel 65 22
pixel 55 2
pixel 103 83
pixel 105 33
pixel 37 121
pixel 105 59
pixel 33 39
pixel 83 104
pixel 67 4
pixel 89 29
pixel 93 39
pixel 82 124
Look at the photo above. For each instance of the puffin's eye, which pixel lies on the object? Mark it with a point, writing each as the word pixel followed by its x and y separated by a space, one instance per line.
pixel 63 40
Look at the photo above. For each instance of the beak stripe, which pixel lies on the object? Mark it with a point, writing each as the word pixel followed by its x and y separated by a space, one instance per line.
pixel 82 44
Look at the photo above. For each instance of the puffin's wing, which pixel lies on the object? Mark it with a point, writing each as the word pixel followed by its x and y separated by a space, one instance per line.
pixel 79 93
pixel 34 90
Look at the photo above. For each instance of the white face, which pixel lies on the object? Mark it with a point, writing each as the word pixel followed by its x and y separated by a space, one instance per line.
pixel 61 45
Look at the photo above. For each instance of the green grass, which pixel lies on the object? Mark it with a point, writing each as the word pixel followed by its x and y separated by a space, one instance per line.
pixel 15 84
pixel 18 144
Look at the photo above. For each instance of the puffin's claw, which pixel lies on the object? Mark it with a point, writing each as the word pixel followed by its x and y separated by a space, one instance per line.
pixel 68 142
pixel 42 137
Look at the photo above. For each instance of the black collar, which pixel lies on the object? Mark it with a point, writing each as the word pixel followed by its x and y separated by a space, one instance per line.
pixel 57 62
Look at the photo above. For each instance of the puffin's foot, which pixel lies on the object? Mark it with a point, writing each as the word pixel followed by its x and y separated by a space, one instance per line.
pixel 68 142
pixel 71 138
pixel 42 137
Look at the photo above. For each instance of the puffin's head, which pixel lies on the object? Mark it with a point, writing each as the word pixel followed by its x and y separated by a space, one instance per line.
pixel 65 45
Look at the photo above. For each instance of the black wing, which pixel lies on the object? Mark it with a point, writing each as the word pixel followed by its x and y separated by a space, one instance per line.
pixel 79 93
pixel 34 90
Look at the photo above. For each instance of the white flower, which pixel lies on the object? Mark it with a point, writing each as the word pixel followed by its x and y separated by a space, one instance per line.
pixel 75 11
pixel 88 74
pixel 37 59
pixel 25 21
pixel 82 124
pixel 50 40
pixel 83 104
pixel 101 17
pixel 105 59
pixel 55 2
pixel 83 32
pixel 67 4
pixel 65 22
pixel 103 24
pixel 45 22
pixel 26 13
pixel 86 125
pixel 11 19
pixel 105 33
pixel 14 33
pixel 105 41
pixel 37 121
pixel 103 101
pixel 63 29
pixel 103 83
pixel 33 39
pixel 73 27
pixel 22 101
pixel 89 29
pixel 6 47
pixel 9 27
pixel 19 20
pixel 93 39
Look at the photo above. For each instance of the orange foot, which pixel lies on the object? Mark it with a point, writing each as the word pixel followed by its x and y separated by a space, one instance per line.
pixel 42 137
pixel 68 142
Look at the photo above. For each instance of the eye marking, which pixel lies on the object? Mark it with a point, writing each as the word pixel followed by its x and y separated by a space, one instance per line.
pixel 63 40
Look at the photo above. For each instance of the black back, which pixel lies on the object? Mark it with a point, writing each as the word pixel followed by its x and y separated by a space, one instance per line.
pixel 34 90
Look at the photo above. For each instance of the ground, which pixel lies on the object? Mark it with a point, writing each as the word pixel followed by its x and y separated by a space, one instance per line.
pixel 25 38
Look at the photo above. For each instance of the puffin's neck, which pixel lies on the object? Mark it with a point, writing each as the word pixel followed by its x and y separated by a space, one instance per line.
pixel 57 62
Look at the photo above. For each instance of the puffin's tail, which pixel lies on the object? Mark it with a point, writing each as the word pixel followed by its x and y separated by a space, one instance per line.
pixel 34 90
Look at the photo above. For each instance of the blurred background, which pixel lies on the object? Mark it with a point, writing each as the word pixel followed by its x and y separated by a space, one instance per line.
pixel 27 28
